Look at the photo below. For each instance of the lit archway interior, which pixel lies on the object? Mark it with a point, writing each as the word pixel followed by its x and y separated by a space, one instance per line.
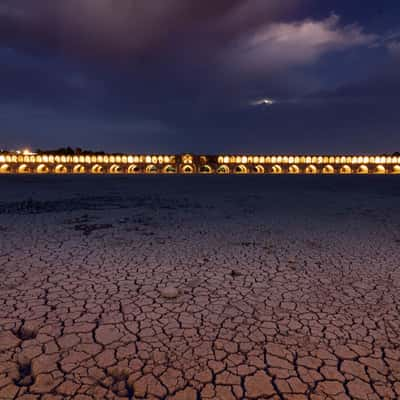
pixel 328 169
pixel 5 169
pixel 42 169
pixel 205 169
pixel 345 170
pixel 276 169
pixel 133 169
pixel 380 169
pixel 97 169
pixel 170 169
pixel 294 169
pixel 79 169
pixel 396 169
pixel 60 169
pixel 362 169
pixel 223 169
pixel 187 169
pixel 151 169
pixel 23 169
pixel 241 169
pixel 259 169
pixel 115 169
pixel 311 169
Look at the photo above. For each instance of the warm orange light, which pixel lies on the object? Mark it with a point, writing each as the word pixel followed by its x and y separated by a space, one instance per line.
pixel 223 164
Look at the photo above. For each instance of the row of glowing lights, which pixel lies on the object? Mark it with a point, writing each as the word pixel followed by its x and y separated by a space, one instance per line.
pixel 88 159
pixel 308 160
pixel 125 159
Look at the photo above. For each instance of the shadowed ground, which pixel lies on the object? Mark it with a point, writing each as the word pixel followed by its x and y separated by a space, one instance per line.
pixel 199 287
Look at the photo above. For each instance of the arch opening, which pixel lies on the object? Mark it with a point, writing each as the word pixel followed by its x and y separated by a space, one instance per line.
pixel 294 169
pixel 259 169
pixel 79 169
pixel 97 169
pixel 23 169
pixel 133 169
pixel 60 169
pixel 345 170
pixel 205 169
pixel 115 169
pixel 42 169
pixel 5 169
pixel 311 169
pixel 396 169
pixel 187 169
pixel 328 169
pixel 240 169
pixel 223 169
pixel 170 169
pixel 380 170
pixel 276 169
pixel 362 170
pixel 151 169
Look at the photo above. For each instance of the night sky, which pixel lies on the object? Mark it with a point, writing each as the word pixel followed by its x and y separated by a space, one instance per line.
pixel 220 76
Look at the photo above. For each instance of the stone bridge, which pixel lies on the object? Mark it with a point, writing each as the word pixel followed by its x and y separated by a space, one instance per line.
pixel 28 163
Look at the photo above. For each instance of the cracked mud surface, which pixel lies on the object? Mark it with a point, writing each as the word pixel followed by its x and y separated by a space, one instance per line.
pixel 200 288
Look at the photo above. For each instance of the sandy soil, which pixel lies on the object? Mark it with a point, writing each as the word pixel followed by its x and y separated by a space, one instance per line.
pixel 200 287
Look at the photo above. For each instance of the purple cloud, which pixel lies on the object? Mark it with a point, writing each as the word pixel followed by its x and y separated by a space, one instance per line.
pixel 279 45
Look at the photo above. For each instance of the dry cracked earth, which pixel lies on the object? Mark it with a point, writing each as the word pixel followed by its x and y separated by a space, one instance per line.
pixel 194 288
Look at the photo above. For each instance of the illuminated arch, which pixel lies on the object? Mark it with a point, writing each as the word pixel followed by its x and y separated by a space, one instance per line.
pixel 380 169
pixel 78 169
pixel 97 169
pixel 259 169
pixel 23 169
pixel 396 169
pixel 311 169
pixel 240 169
pixel 151 169
pixel 60 169
pixel 328 169
pixel 170 169
pixel 133 169
pixel 345 170
pixel 5 169
pixel 115 169
pixel 205 169
pixel 294 169
pixel 42 169
pixel 187 169
pixel 223 169
pixel 276 169
pixel 362 169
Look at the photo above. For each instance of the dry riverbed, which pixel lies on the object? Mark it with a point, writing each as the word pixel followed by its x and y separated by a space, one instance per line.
pixel 200 288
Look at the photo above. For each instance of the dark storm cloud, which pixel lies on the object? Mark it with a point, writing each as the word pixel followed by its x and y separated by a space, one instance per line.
pixel 174 46
pixel 193 46
pixel 130 28
pixel 230 35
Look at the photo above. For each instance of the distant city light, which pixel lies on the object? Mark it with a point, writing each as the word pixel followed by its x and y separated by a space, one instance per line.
pixel 25 152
